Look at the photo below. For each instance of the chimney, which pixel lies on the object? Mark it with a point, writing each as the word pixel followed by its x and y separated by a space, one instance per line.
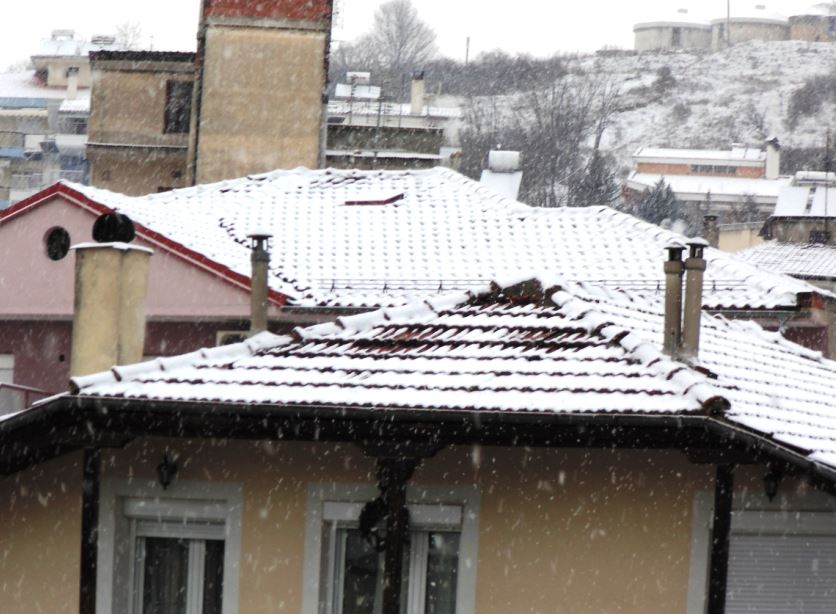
pixel 416 97
pixel 692 314
pixel 773 158
pixel 711 230
pixel 259 291
pixel 111 282
pixel 673 300
pixel 72 83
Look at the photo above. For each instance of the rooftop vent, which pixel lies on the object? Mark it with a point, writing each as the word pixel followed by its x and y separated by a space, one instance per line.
pixel 58 35
pixel 375 201
pixel 103 40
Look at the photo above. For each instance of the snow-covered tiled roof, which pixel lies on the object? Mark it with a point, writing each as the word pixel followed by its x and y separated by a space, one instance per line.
pixel 586 350
pixel 806 201
pixel 679 17
pixel 24 85
pixel 753 12
pixel 75 105
pixel 440 231
pixel 736 154
pixel 802 260
pixel 737 187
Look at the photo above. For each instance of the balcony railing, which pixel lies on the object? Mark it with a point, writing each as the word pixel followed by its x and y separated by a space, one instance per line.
pixel 14 398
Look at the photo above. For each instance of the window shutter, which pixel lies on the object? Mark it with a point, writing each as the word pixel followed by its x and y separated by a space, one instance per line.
pixel 777 574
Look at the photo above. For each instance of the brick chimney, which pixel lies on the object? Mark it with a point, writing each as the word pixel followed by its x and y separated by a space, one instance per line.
pixel 259 292
pixel 695 266
pixel 417 94
pixel 111 281
pixel 673 299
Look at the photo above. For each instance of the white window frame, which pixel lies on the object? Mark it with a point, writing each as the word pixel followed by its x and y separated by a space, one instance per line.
pixel 808 513
pixel 430 506
pixel 128 508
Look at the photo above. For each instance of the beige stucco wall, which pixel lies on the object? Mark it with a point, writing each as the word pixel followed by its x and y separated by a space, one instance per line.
pixel 593 531
pixel 742 31
pixel 40 533
pixel 811 28
pixel 261 102
pixel 137 171
pixel 56 68
pixel 736 239
pixel 661 37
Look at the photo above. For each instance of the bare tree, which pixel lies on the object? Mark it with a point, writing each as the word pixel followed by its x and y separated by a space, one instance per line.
pixel 128 35
pixel 398 44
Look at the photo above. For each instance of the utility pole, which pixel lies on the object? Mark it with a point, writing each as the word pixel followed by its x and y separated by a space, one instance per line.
pixel 467 51
pixel 728 23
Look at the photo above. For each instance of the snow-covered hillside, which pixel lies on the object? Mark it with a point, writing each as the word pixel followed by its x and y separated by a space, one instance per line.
pixel 736 95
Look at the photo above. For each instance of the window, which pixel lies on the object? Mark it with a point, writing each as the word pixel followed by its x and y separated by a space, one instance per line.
pixel 780 560
pixel 178 107
pixel 7 368
pixel 343 571
pixel 171 551
pixel 57 243
pixel 676 37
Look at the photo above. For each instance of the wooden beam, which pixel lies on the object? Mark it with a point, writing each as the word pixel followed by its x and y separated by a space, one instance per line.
pixel 720 533
pixel 89 530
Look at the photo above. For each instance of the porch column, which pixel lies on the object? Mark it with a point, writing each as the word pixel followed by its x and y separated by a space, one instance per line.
pixel 723 495
pixel 393 475
pixel 89 530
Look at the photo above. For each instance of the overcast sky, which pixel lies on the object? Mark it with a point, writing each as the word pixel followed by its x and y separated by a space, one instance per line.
pixel 540 27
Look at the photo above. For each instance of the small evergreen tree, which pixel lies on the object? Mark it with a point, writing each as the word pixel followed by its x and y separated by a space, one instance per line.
pixel 598 185
pixel 658 204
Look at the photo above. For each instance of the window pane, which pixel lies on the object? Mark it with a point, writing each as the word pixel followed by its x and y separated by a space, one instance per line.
pixel 213 577
pixel 166 575
pixel 362 582
pixel 442 572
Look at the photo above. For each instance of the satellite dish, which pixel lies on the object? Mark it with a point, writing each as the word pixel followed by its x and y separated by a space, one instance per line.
pixel 113 228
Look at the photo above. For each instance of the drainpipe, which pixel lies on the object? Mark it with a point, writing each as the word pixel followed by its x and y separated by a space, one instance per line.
pixel 694 269
pixel 720 532
pixel 89 531
pixel 673 300
pixel 259 291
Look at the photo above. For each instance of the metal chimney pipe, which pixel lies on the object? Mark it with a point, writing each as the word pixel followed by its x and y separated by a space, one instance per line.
pixel 673 299
pixel 259 289
pixel 694 269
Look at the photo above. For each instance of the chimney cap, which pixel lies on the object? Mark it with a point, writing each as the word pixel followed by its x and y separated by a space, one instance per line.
pixel 675 244
pixel 698 242
pixel 260 233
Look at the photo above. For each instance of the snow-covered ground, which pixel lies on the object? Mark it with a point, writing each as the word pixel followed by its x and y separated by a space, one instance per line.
pixel 715 97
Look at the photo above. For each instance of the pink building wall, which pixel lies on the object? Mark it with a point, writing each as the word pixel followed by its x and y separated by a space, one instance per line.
pixel 186 305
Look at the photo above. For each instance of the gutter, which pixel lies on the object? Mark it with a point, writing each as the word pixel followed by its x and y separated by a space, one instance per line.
pixel 340 423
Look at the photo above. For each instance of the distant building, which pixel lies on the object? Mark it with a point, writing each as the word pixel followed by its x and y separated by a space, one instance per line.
pixel 677 31
pixel 366 132
pixel 249 101
pixel 43 117
pixel 748 23
pixel 720 181
pixel 814 24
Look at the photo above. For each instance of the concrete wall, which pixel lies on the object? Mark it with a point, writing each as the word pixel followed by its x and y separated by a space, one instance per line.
pixel 56 70
pixel 797 230
pixel 742 31
pixel 137 171
pixel 261 101
pixel 128 149
pixel 812 28
pixel 737 237
pixel 593 531
pixel 40 536
pixel 662 37
pixel 426 140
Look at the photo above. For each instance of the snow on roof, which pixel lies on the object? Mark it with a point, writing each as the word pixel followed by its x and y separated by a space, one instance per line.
pixel 736 154
pixel 447 232
pixel 586 351
pixel 76 105
pixel 802 260
pixel 816 10
pixel 736 187
pixel 679 17
pixel 24 85
pixel 806 201
pixel 754 13
pixel 69 46
pixel 389 109
pixel 505 184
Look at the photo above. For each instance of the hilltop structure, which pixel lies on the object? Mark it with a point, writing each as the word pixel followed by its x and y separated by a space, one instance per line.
pixel 746 22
